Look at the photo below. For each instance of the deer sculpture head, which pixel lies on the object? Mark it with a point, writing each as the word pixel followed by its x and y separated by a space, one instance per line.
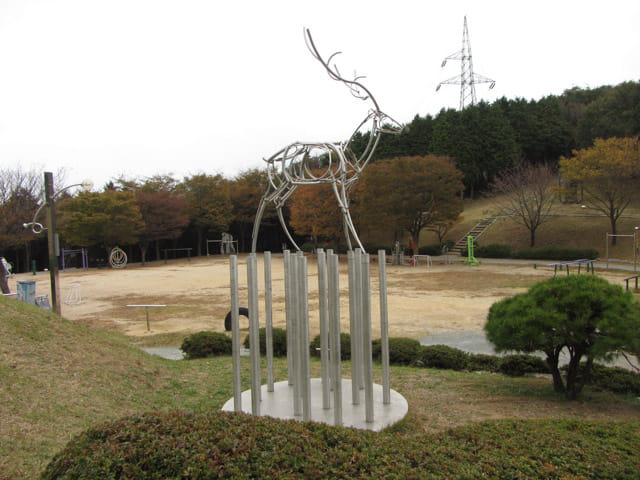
pixel 292 166
pixel 378 121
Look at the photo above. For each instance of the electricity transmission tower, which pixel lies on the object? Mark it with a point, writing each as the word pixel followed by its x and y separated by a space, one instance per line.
pixel 467 79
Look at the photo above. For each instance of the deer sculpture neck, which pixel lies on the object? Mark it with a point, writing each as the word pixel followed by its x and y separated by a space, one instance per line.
pixel 291 166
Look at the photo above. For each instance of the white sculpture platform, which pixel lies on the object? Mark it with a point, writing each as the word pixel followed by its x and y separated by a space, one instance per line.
pixel 279 404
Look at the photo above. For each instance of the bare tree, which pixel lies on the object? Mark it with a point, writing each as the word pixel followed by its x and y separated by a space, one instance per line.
pixel 21 193
pixel 526 193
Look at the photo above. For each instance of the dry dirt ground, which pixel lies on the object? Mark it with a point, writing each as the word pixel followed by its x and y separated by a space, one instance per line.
pixel 421 300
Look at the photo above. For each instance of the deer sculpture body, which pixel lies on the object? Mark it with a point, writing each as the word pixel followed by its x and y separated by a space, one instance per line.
pixel 293 165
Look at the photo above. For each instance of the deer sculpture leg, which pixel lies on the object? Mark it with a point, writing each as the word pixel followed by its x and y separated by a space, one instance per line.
pixel 284 227
pixel 256 223
pixel 349 228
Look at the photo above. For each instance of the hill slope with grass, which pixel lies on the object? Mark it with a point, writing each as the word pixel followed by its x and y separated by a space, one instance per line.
pixel 570 225
pixel 59 379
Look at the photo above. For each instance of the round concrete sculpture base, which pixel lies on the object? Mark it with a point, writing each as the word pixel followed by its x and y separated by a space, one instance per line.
pixel 279 404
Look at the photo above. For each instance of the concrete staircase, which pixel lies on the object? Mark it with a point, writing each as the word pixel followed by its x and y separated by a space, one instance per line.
pixel 475 232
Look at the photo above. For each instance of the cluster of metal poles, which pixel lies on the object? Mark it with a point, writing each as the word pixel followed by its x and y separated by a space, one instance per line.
pixel 297 327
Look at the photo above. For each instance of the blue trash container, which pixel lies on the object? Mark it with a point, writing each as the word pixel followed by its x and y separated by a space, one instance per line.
pixel 26 291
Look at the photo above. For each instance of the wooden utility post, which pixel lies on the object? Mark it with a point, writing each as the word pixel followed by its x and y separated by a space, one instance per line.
pixel 49 195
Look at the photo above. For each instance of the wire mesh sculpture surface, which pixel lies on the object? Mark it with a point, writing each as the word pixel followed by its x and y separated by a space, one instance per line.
pixel 340 166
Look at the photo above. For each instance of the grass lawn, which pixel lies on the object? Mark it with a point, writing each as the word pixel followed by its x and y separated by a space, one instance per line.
pixel 58 378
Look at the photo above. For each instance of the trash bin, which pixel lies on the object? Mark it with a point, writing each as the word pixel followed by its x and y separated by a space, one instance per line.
pixel 26 291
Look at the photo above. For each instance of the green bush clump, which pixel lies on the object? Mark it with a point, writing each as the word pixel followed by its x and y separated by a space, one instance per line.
pixel 479 362
pixel 557 252
pixel 345 346
pixel 373 248
pixel 206 344
pixel 494 250
pixel 433 250
pixel 442 356
pixel 402 351
pixel 613 379
pixel 279 337
pixel 214 444
pixel 519 365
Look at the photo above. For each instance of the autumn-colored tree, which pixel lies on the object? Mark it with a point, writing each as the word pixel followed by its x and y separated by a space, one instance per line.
pixel 109 218
pixel 164 216
pixel 410 193
pixel 208 204
pixel 526 194
pixel 607 173
pixel 246 189
pixel 315 212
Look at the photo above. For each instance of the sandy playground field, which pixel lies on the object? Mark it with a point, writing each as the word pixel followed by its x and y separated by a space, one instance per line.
pixel 422 301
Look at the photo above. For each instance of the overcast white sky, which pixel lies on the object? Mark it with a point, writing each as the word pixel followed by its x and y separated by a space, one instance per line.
pixel 144 87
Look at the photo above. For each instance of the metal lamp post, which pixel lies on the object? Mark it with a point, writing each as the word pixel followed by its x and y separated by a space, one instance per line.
pixel 49 201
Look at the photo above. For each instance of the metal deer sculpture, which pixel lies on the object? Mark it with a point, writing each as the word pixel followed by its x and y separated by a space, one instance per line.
pixel 293 165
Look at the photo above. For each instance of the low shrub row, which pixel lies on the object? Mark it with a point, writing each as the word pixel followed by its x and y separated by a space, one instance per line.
pixel 613 379
pixel 551 252
pixel 408 351
pixel 214 444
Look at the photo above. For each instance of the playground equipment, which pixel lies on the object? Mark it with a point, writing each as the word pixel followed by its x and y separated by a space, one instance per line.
pixel 117 258
pixel 294 164
pixel 471 260
pixel 319 399
pixel 228 245
pixel 590 264
pixel 84 257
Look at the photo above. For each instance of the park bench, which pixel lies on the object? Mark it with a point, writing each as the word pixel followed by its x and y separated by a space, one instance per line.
pixel 631 278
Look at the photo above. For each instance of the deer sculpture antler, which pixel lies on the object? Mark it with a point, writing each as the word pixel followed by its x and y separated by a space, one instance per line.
pixel 355 87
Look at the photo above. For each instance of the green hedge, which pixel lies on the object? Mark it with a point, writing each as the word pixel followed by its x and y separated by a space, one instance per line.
pixel 520 365
pixel 551 252
pixel 206 344
pixel 408 351
pixel 557 252
pixel 279 337
pixel 214 444
pixel 613 379
pixel 402 351
pixel 443 357
pixel 345 346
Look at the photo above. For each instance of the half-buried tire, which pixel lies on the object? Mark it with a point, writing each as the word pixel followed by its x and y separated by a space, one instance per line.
pixel 227 320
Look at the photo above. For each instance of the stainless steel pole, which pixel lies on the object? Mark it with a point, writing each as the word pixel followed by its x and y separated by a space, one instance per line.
pixel 288 314
pixel 254 338
pixel 268 319
pixel 305 376
pixel 384 326
pixel 334 325
pixel 355 341
pixel 324 328
pixel 295 325
pixel 366 339
pixel 235 334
